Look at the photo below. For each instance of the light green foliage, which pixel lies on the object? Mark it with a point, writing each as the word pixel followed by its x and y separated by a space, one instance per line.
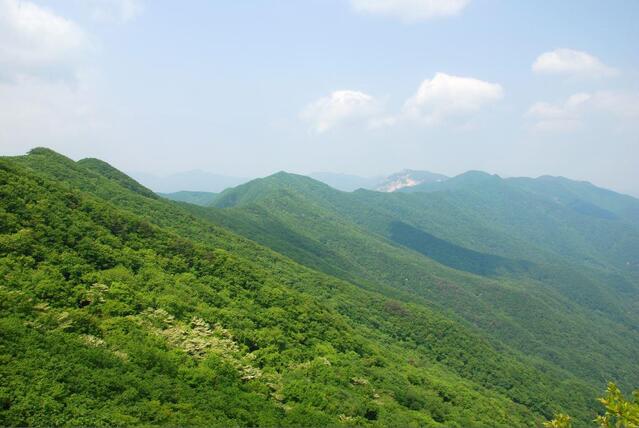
pixel 110 317
pixel 619 412
pixel 121 308
pixel 512 262
pixel 560 421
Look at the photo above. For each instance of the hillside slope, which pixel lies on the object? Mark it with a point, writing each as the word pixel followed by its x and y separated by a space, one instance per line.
pixel 575 220
pixel 120 308
pixel 579 316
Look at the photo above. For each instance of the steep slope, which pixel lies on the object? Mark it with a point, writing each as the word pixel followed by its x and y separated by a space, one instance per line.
pixel 572 220
pixel 107 170
pixel 576 316
pixel 118 308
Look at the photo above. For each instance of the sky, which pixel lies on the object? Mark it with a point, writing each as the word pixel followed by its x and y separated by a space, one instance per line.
pixel 367 87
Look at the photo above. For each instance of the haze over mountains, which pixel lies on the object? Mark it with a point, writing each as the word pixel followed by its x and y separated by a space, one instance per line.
pixel 207 182
pixel 470 301
pixel 205 185
pixel 193 181
pixel 300 214
pixel 201 181
pixel 404 181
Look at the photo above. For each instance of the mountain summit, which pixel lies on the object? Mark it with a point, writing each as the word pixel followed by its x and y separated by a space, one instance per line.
pixel 408 178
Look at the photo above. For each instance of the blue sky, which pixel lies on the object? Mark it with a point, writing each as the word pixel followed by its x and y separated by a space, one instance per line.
pixel 368 87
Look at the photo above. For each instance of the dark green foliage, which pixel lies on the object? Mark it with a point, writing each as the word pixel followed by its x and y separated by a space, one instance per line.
pixel 453 255
pixel 586 208
pixel 545 297
pixel 108 171
pixel 107 318
pixel 119 308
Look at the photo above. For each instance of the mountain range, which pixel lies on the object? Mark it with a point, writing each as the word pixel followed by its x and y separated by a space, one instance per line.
pixel 466 301
pixel 189 184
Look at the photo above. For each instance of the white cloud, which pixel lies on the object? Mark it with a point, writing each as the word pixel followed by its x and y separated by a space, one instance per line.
pixel 582 108
pixel 36 112
pixel 571 62
pixel 116 10
pixel 439 100
pixel 410 10
pixel 447 97
pixel 36 41
pixel 44 94
pixel 340 108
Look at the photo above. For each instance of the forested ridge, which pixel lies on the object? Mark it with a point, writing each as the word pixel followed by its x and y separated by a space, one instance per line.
pixel 530 295
pixel 122 308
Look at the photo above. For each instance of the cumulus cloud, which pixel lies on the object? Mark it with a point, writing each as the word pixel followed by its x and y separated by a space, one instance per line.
pixel 37 112
pixel 440 100
pixel 410 10
pixel 340 108
pixel 44 92
pixel 447 97
pixel 571 62
pixel 116 10
pixel 36 41
pixel 581 108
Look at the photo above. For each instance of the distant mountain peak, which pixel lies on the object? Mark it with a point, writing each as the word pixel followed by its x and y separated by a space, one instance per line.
pixel 477 176
pixel 409 178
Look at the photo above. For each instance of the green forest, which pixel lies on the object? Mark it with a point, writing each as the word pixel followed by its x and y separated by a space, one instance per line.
pixel 474 302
